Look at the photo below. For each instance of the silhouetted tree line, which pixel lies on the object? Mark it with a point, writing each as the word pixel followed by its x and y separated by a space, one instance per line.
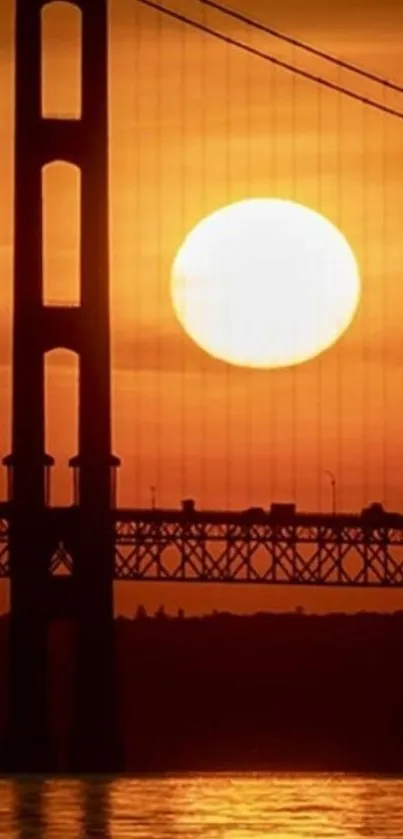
pixel 276 691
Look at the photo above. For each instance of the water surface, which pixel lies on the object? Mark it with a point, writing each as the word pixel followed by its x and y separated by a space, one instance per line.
pixel 236 806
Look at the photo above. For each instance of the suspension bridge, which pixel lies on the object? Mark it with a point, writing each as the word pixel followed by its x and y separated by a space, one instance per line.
pixel 64 561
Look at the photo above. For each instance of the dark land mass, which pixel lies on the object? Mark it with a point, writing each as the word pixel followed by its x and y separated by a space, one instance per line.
pixel 226 692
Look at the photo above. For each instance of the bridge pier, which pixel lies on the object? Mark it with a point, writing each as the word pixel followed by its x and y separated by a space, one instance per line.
pixel 27 747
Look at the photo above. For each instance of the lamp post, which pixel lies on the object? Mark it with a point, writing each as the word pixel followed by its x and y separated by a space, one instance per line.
pixel 333 485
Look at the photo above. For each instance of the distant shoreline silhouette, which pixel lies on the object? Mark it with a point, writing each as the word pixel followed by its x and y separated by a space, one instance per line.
pixel 273 691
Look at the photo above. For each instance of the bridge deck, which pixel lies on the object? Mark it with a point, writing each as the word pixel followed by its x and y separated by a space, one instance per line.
pixel 250 547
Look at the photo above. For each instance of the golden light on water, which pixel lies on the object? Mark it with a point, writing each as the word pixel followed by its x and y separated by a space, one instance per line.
pixel 256 806
pixel 235 805
pixel 265 283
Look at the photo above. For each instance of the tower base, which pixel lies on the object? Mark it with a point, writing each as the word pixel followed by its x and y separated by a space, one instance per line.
pixel 22 753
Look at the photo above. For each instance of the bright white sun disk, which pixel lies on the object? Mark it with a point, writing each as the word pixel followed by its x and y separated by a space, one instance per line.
pixel 265 283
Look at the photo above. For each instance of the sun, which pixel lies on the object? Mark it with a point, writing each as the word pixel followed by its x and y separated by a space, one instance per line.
pixel 265 283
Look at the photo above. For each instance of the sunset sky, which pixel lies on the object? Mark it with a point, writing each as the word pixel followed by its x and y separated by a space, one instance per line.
pixel 194 125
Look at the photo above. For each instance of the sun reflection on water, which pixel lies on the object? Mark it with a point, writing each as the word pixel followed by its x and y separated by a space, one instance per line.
pixel 236 806
pixel 256 806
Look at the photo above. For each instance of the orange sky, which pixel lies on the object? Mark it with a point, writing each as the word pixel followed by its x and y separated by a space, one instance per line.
pixel 195 125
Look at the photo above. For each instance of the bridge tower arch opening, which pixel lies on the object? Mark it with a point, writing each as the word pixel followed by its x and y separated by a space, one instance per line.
pixel 61 422
pixel 85 329
pixel 61 59
pixel 61 198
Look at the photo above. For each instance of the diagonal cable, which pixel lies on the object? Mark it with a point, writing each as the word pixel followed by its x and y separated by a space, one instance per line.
pixel 325 56
pixel 371 103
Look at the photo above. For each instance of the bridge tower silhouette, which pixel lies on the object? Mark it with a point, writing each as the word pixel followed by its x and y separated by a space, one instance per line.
pixel 84 329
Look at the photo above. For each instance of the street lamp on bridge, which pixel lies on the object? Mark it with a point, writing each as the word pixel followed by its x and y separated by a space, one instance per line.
pixel 333 486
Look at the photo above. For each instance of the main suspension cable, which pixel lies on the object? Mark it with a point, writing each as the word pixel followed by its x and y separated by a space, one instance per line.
pixel 325 56
pixel 227 39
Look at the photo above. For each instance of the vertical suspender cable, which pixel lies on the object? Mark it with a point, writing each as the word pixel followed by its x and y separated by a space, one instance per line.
pixel 384 311
pixel 158 156
pixel 275 111
pixel 182 181
pixel 137 360
pixel 227 433
pixel 319 360
pixel 365 450
pixel 248 393
pixel 294 426
pixel 337 477
pixel 203 378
